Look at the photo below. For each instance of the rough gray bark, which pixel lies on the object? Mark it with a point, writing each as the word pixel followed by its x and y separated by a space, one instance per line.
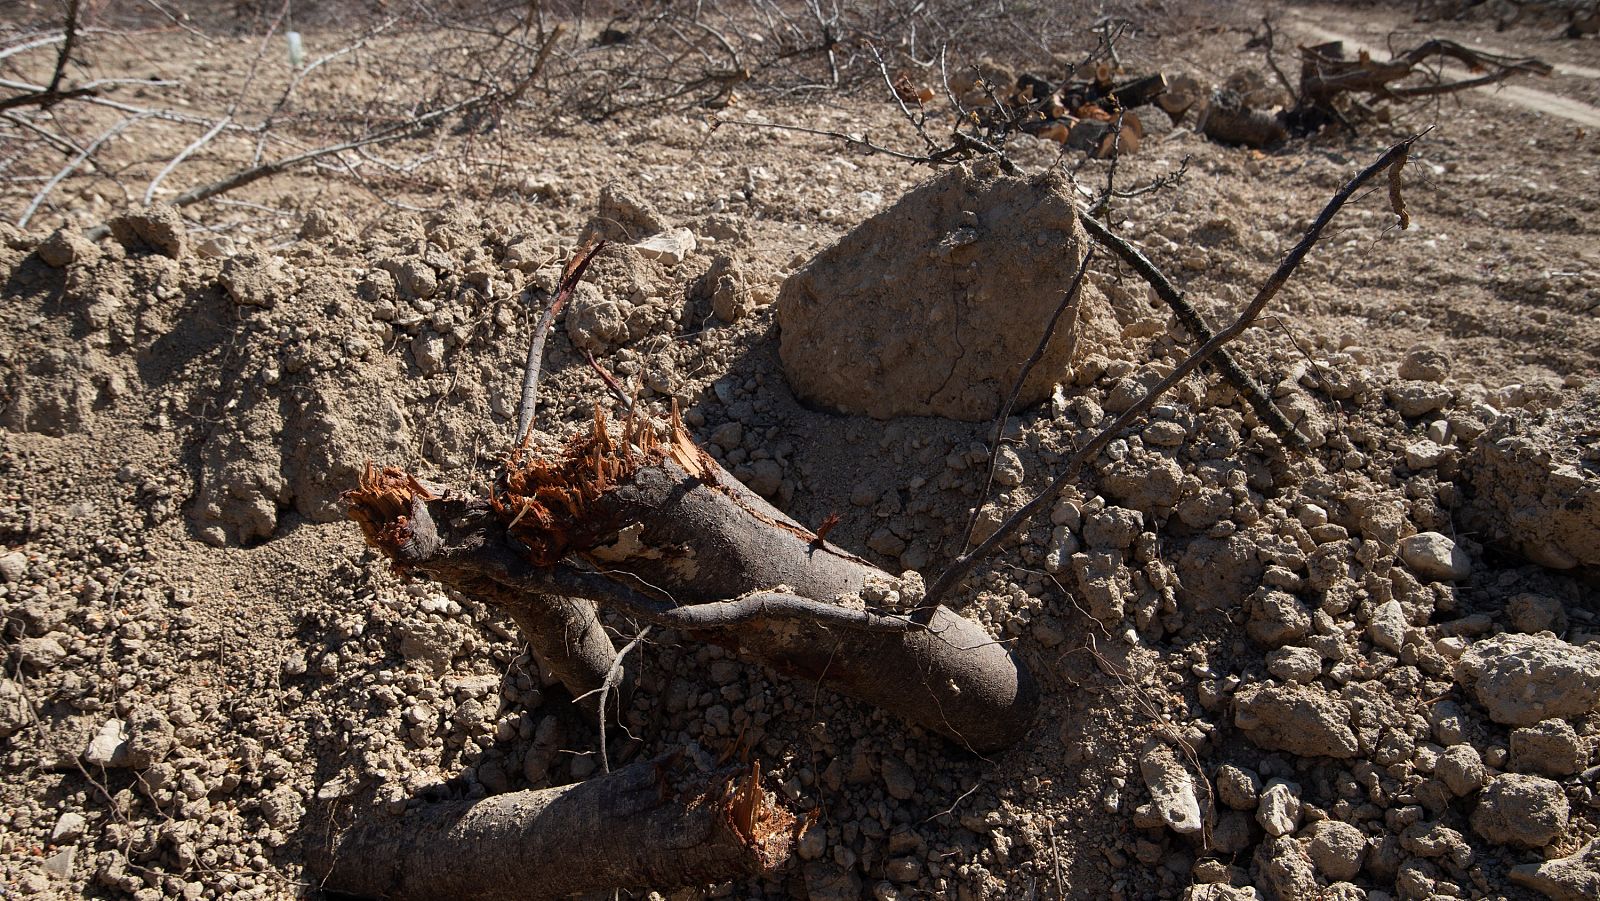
pixel 644 825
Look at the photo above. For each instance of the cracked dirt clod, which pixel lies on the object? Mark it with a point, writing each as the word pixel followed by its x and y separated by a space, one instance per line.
pixel 930 307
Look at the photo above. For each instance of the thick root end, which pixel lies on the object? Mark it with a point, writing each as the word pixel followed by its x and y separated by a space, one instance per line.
pixel 381 505
pixel 768 829
pixel 543 500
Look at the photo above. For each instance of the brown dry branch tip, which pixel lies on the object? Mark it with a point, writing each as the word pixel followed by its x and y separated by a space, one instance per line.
pixel 655 824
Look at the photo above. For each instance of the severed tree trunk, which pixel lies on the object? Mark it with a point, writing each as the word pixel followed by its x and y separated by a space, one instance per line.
pixel 647 825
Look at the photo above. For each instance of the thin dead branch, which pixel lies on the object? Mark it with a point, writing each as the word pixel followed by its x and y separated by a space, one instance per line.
pixel 1069 301
pixel 963 564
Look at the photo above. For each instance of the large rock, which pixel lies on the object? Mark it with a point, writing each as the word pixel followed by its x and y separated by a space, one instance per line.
pixel 1536 490
pixel 1296 719
pixel 930 307
pixel 1522 679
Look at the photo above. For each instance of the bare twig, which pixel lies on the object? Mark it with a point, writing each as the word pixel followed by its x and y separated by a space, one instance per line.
pixel 70 167
pixel 410 127
pixel 530 371
pixel 65 57
pixel 1196 326
pixel 964 563
pixel 185 153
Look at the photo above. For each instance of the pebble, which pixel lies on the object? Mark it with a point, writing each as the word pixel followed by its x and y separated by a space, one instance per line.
pixel 1548 748
pixel 1435 557
pixel 428 349
pixel 1424 454
pixel 898 779
pixel 13 567
pixel 1416 398
pixel 1172 789
pixel 1522 679
pixel 1008 471
pixel 1296 719
pixel 1575 877
pixel 1337 849
pixel 1238 788
pixel 1533 613
pixel 670 247
pixel 1279 811
pixel 1294 664
pixel 109 747
pixel 69 828
pixel 1387 628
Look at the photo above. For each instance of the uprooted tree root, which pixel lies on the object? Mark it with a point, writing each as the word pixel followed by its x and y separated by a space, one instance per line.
pixel 654 823
pixel 669 538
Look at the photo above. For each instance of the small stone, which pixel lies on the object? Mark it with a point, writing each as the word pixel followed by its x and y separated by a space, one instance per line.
pixel 1426 365
pixel 622 214
pixel 109 747
pixel 59 865
pixel 1297 719
pixel 828 881
pixel 1008 471
pixel 1534 613
pixel 417 279
pixel 40 654
pixel 1424 454
pixel 898 779
pixel 215 247
pixel 729 435
pixel 813 843
pixel 1435 557
pixel 1461 770
pixel 69 828
pixel 1549 748
pixel 724 283
pixel 1114 528
pixel 15 711
pixel 66 246
pixel 13 567
pixel 428 350
pixel 1337 849
pixel 1387 628
pixel 1294 664
pixel 904 869
pixel 254 279
pixel 282 808
pixel 158 227
pixel 1279 811
pixel 1522 811
pixel 668 247
pixel 1446 718
pixel 1416 398
pixel 1172 789
pixel 1277 618
pixel 1238 788
pixel 1286 867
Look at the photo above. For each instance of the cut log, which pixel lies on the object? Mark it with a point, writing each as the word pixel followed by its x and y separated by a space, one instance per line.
pixel 654 824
